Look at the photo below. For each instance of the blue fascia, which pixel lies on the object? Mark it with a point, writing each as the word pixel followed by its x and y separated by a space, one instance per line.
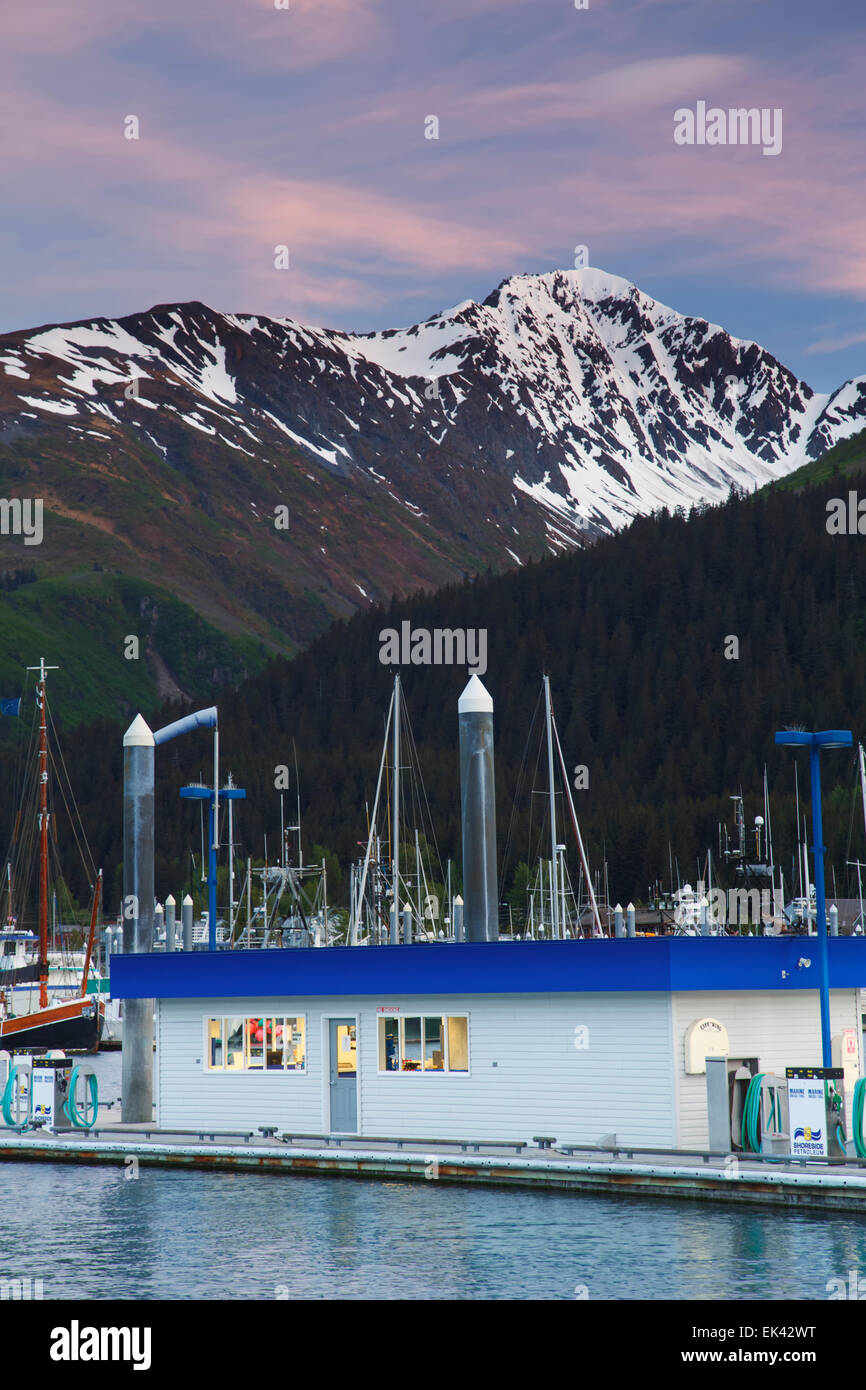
pixel 496 967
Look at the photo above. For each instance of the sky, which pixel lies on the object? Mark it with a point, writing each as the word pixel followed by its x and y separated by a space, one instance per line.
pixel 307 127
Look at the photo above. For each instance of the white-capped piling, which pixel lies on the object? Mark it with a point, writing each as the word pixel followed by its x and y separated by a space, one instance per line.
pixel 833 915
pixel 618 924
pixel 138 841
pixel 629 920
pixel 705 917
pixel 407 924
pixel 170 918
pixel 159 925
pixel 458 918
pixel 394 925
pixel 478 811
pixel 186 922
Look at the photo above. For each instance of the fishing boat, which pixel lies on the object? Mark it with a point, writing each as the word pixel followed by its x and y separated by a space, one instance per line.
pixel 34 1015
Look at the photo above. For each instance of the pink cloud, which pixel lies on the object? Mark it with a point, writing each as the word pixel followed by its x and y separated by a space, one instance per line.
pixel 836 344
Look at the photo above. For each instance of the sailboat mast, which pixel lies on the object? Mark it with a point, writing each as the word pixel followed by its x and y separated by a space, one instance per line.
pixel 43 848
pixel 395 813
pixel 91 934
pixel 43 833
pixel 554 894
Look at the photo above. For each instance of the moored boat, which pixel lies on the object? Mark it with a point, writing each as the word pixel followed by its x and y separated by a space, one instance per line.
pixel 49 1022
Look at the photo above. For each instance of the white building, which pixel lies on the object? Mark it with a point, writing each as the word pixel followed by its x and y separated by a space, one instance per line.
pixel 492 1041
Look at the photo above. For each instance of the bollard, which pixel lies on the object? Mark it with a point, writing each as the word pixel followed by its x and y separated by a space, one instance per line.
pixel 186 922
pixel 458 919
pixel 478 812
pixel 170 917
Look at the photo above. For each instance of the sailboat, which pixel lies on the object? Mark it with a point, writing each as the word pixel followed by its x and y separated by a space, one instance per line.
pixel 74 1024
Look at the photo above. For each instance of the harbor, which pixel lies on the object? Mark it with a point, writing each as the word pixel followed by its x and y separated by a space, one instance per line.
pixel 500 1060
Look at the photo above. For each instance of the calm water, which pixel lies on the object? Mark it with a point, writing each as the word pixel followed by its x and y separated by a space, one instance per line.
pixel 90 1233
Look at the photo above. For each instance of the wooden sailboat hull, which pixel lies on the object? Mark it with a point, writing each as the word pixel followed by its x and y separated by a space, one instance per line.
pixel 74 1027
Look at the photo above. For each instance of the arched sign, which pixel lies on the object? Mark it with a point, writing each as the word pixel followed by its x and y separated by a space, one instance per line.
pixel 706 1037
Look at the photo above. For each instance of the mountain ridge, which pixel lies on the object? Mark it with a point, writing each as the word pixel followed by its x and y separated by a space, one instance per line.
pixel 532 422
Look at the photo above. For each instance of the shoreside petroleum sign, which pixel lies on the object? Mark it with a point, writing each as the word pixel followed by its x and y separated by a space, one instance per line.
pixel 812 1092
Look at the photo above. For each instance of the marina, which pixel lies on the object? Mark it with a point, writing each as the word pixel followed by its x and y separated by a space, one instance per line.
pixel 470 1043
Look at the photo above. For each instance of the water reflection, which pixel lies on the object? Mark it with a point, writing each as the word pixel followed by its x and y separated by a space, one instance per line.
pixel 91 1233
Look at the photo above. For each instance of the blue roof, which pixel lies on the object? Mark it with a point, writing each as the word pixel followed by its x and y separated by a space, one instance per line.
pixel 500 967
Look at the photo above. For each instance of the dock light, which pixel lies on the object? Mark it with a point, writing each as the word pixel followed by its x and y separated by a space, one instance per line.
pixel 815 742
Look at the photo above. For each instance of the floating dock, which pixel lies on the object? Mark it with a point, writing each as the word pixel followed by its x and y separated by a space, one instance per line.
pixel 836 1185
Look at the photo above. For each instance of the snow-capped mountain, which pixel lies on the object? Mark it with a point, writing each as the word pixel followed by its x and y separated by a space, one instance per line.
pixel 558 409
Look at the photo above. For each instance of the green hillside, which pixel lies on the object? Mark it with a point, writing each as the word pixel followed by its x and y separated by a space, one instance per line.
pixel 82 623
pixel 636 635
pixel 843 460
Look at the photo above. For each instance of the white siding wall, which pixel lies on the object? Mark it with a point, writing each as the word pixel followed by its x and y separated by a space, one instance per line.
pixel 526 1076
pixel 189 1095
pixel 781 1030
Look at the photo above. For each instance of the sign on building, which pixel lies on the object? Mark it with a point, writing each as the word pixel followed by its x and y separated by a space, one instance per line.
pixel 706 1037
pixel 814 1110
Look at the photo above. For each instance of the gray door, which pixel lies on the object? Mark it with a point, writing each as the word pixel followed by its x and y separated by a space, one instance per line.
pixel 344 1076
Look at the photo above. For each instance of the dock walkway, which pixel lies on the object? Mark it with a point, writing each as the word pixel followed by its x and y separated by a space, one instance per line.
pixel 694 1175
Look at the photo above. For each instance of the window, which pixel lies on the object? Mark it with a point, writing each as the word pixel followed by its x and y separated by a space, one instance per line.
pixel 428 1043
pixel 256 1044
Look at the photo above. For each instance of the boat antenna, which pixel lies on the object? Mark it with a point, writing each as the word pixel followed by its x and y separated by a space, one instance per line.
pixel 298 795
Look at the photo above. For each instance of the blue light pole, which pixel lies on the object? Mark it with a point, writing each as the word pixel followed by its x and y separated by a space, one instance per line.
pixel 830 738
pixel 196 793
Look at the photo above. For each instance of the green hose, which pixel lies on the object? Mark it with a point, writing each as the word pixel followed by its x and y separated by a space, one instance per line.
pixel 80 1120
pixel 752 1115
pixel 859 1101
pixel 7 1098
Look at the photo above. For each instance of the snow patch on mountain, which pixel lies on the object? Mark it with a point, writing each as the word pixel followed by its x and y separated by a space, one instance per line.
pixel 572 394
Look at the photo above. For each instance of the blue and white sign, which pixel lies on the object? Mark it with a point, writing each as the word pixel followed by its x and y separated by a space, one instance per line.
pixel 807 1110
